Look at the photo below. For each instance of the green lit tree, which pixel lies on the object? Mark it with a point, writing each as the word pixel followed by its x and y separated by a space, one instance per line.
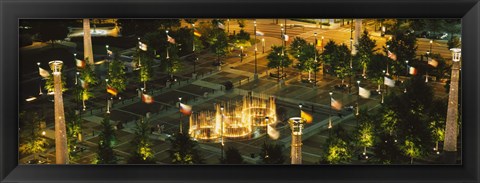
pixel 219 43
pixel 365 130
pixel 183 150
pixel 50 87
pixel 337 152
pixel 31 140
pixel 404 46
pixel 365 51
pixel 411 149
pixel 105 154
pixel 143 153
pixel 232 156
pixel 116 74
pixel 74 134
pixel 271 153
pixel 338 58
pixel 146 68
pixel 437 118
pixel 278 58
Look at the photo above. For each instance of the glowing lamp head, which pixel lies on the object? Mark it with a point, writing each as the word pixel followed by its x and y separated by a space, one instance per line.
pixel 456 54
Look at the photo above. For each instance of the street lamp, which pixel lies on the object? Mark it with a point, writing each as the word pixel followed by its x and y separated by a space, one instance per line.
pixel 330 113
pixel 193 38
pixel 263 45
pixel 358 97
pixel 406 68
pixel 179 106
pixel 241 53
pixel 40 82
pixel 388 46
pixel 221 130
pixel 426 75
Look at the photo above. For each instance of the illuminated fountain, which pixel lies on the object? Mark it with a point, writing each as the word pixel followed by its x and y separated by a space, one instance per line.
pixel 240 119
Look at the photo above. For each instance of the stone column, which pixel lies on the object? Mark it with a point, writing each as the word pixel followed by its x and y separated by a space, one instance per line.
pixel 451 127
pixel 61 151
pixel 87 42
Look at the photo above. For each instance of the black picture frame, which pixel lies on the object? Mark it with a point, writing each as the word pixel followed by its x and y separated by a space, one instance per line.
pixel 11 11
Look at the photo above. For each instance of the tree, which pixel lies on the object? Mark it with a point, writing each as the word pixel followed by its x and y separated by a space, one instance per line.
pixel 143 153
pixel 365 51
pixel 365 133
pixel 31 140
pixel 404 46
pixel 87 79
pixel 376 66
pixel 183 150
pixel 105 154
pixel 74 133
pixel 241 23
pixel 116 74
pixel 306 54
pixel 338 58
pixel 49 84
pixel 51 30
pixel 272 153
pixel 437 120
pixel 190 20
pixel 232 156
pixel 337 152
pixel 138 27
pixel 146 67
pixel 411 149
pixel 219 43
pixel 277 58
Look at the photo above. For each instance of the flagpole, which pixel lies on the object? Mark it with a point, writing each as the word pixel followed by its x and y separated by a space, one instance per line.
pixel 39 82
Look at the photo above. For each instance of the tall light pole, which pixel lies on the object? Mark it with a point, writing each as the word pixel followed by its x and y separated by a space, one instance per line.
pixel 263 45
pixel 358 98
pixel 193 38
pixel 221 130
pixel 241 53
pixel 40 82
pixel 108 100
pixel 330 113
pixel 451 127
pixel 315 60
pixel 406 62
pixel 61 151
pixel 426 75
pixel 255 76
pixel 180 106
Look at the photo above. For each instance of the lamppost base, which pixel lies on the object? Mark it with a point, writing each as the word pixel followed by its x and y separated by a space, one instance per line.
pixel 255 76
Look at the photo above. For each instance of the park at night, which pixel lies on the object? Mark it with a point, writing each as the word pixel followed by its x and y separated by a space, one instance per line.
pixel 250 91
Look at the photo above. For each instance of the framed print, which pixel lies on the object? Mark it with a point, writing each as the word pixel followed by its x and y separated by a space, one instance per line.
pixel 161 91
